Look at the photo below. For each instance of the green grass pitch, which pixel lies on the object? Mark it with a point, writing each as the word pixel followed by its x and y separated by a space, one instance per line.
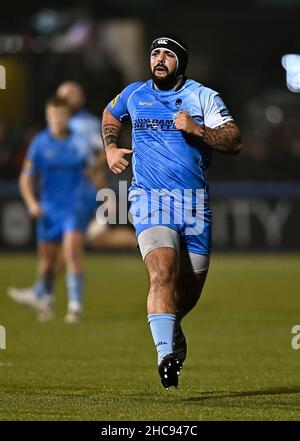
pixel 240 366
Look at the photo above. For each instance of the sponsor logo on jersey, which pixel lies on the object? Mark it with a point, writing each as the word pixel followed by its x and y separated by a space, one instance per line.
pixel 114 101
pixel 154 124
pixel 145 103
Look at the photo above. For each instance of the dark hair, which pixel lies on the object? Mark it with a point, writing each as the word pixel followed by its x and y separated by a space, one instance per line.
pixel 56 101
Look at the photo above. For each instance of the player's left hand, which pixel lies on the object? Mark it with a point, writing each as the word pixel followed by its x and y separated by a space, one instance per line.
pixel 183 121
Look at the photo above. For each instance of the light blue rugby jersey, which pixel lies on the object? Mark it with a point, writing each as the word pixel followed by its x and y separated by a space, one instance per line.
pixel 61 166
pixel 164 157
pixel 87 125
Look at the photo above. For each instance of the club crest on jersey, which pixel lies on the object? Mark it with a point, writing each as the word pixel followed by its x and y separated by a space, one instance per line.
pixel 178 102
pixel 162 41
pixel 114 101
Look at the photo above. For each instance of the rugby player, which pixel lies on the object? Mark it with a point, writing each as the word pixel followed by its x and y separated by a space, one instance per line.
pixel 59 158
pixel 177 124
pixel 98 233
pixel 86 125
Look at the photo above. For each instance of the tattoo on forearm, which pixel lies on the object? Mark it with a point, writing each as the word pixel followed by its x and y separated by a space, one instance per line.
pixel 225 138
pixel 110 134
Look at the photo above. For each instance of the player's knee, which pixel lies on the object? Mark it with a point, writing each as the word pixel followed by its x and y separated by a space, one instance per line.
pixel 162 277
pixel 72 254
pixel 72 258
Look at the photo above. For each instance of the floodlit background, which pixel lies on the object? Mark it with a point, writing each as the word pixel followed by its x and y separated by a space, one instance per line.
pixel 241 361
pixel 247 51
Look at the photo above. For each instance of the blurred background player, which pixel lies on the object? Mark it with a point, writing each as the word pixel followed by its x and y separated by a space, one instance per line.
pixel 67 201
pixel 98 233
pixel 82 121
pixel 85 124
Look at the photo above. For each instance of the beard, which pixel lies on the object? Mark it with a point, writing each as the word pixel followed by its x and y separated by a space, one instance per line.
pixel 167 82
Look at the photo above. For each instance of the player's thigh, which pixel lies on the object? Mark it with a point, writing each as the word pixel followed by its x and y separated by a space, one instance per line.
pixel 83 210
pixel 74 230
pixel 49 228
pixel 73 243
pixel 158 236
pixel 195 249
pixel 161 264
pixel 193 268
pixel 159 248
pixel 190 284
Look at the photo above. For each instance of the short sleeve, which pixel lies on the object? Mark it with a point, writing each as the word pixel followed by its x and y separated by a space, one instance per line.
pixel 119 105
pixel 215 112
pixel 30 164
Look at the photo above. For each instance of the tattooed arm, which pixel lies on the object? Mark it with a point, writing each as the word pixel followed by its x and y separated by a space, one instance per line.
pixel 225 138
pixel 111 127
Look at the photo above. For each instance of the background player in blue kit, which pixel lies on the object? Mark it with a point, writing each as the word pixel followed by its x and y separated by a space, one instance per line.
pixel 86 125
pixel 81 121
pixel 67 201
pixel 98 233
pixel 177 123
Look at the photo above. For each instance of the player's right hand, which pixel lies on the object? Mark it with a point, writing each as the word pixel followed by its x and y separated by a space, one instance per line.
pixel 115 159
pixel 35 210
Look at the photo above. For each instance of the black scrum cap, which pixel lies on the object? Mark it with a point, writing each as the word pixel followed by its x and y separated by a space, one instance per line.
pixel 173 44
